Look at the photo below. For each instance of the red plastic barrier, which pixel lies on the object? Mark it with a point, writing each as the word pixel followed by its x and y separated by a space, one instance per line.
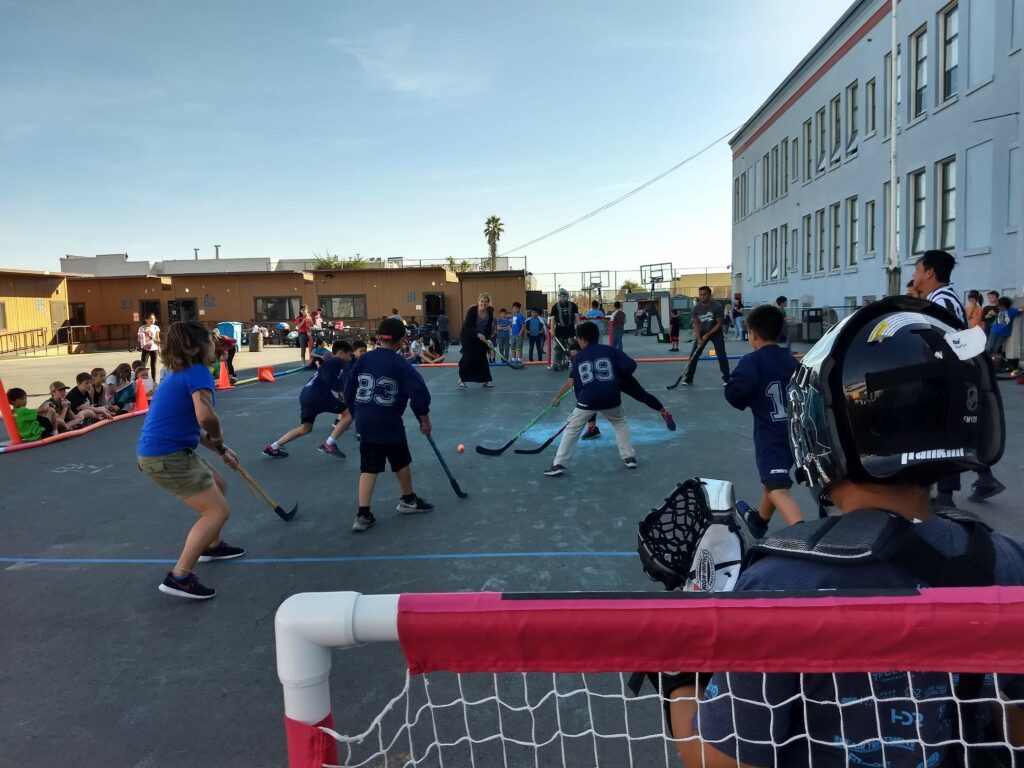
pixel 8 417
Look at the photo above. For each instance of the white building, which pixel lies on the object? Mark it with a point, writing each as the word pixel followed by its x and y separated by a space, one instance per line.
pixel 811 167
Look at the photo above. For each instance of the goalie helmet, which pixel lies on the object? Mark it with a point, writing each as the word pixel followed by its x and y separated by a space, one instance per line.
pixel 563 295
pixel 895 393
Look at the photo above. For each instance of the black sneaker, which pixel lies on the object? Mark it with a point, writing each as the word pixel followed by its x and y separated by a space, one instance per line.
pixel 331 450
pixel 555 470
pixel 630 462
pixel 412 507
pixel 189 587
pixel 221 551
pixel 756 524
pixel 591 433
pixel 277 453
pixel 981 490
pixel 362 522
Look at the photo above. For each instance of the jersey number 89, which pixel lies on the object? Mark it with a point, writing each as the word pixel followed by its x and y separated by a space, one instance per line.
pixel 600 369
pixel 382 391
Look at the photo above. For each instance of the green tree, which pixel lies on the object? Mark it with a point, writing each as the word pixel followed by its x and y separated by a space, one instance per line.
pixel 493 230
pixel 631 286
pixel 326 260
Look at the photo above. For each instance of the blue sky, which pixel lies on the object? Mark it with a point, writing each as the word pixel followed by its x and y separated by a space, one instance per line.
pixel 386 129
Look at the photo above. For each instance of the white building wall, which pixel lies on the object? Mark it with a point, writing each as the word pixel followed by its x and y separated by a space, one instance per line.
pixel 976 127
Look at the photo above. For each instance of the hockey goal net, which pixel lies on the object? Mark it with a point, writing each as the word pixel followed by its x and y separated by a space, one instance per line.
pixel 543 679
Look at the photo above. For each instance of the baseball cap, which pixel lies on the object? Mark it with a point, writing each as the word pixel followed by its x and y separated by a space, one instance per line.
pixel 391 329
pixel 57 385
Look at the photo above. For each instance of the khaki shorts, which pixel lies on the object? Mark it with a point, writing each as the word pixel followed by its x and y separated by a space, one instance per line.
pixel 182 473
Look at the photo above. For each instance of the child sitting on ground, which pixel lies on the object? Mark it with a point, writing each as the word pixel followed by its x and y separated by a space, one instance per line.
pixel 432 354
pixel 32 423
pixel 759 382
pixel 80 399
pixel 416 350
pixel 318 354
pixel 120 391
pixel 67 419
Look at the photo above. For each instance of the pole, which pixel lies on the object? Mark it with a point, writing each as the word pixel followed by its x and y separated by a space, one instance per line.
pixel 893 263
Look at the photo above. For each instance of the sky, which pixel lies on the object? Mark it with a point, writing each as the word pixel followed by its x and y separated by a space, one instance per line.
pixel 283 130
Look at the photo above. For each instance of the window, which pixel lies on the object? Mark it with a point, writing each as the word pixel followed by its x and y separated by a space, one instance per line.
pixel 889 88
pixel 808 152
pixel 836 223
pixel 888 218
pixel 773 273
pixel 852 122
pixel 796 159
pixel 783 251
pixel 784 166
pixel 736 199
pixel 764 179
pixel 852 237
pixel 819 120
pixel 3 316
pixel 949 29
pixel 947 204
pixel 344 307
pixel 919 75
pixel 819 216
pixel 917 212
pixel 808 244
pixel 277 308
pixel 743 194
pixel 775 173
pixel 794 249
pixel 764 258
pixel 869 226
pixel 836 120
pixel 869 107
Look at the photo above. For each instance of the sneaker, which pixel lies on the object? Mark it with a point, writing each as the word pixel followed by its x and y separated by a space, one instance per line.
pixel 981 490
pixel 331 450
pixel 462 384
pixel 591 433
pixel 414 506
pixel 756 524
pixel 362 522
pixel 630 462
pixel 277 453
pixel 189 588
pixel 686 383
pixel 221 551
pixel 488 384
pixel 669 421
pixel 555 470
pixel 942 501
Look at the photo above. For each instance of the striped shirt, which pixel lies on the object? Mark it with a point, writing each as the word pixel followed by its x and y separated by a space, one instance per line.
pixel 946 298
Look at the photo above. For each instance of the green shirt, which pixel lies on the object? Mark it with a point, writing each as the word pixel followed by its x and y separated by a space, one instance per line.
pixel 28 427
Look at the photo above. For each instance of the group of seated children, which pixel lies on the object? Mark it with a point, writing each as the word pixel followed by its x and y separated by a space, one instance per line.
pixel 421 350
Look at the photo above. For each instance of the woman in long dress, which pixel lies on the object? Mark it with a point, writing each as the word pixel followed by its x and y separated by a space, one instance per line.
pixel 476 330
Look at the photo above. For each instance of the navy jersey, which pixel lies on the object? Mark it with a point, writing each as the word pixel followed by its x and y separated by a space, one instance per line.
pixel 759 383
pixel 596 372
pixel 379 387
pixel 327 384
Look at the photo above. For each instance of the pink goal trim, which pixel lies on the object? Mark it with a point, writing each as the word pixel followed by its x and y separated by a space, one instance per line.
pixel 946 630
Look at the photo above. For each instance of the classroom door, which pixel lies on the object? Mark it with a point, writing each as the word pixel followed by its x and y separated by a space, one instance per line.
pixel 58 320
pixel 181 310
pixel 147 308
pixel 433 305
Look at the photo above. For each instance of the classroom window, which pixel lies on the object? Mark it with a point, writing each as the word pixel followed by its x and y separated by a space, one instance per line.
pixel 783 250
pixel 947 204
pixel 869 106
pixel 773 272
pixel 775 173
pixel 819 216
pixel 796 159
pixel 764 258
pixel 764 180
pixel 344 307
pixel 852 236
pixel 277 308
pixel 794 250
pixel 949 29
pixel 808 244
pixel 836 223
pixel 919 75
pixel 784 165
pixel 852 115
pixel 835 115
pixel 869 226
pixel 819 119
pixel 808 152
pixel 917 212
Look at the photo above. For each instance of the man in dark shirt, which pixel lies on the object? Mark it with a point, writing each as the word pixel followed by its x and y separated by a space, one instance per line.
pixel 708 317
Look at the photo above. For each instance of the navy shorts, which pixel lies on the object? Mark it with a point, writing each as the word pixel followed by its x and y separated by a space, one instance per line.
pixel 773 466
pixel 373 456
pixel 310 409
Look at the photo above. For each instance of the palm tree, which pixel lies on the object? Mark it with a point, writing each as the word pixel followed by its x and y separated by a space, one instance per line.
pixel 493 229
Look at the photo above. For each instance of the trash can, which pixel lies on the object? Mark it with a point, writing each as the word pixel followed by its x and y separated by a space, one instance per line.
pixel 256 342
pixel 234 330
pixel 813 325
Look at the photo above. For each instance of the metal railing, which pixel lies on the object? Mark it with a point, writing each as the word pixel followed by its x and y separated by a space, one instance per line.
pixel 25 342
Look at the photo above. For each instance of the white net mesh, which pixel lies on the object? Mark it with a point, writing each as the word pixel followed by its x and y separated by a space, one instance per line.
pixel 535 719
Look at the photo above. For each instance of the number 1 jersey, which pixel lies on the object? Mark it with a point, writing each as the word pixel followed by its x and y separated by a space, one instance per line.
pixel 596 372
pixel 379 387
pixel 759 382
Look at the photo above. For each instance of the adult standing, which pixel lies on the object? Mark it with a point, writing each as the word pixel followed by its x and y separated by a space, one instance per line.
pixel 784 340
pixel 149 342
pixel 739 330
pixel 638 319
pixel 707 320
pixel 932 280
pixel 564 317
pixel 442 330
pixel 616 326
pixel 477 328
pixel 303 324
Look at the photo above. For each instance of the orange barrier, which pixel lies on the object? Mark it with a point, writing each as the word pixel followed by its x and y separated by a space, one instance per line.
pixel 68 435
pixel 265 373
pixel 223 382
pixel 141 401
pixel 8 417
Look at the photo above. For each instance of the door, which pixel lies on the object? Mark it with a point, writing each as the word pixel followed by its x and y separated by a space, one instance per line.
pixel 147 308
pixel 58 320
pixel 433 305
pixel 180 310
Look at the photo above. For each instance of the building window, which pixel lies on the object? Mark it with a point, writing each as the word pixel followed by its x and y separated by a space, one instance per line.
pixel 808 152
pixel 808 244
pixel 919 75
pixel 947 204
pixel 277 308
pixel 949 29
pixel 869 107
pixel 743 194
pixel 764 180
pixel 852 236
pixel 836 222
pixel 852 115
pixel 887 112
pixel 819 119
pixel 736 199
pixel 917 212
pixel 784 252
pixel 796 160
pixel 869 226
pixel 888 218
pixel 3 316
pixel 835 115
pixel 773 269
pixel 775 173
pixel 819 216
pixel 344 307
pixel 784 164
pixel 764 258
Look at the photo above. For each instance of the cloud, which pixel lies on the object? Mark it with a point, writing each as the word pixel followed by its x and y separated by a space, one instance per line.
pixel 390 59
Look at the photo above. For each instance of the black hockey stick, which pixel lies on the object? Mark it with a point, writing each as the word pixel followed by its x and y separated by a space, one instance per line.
pixel 673 386
pixel 498 451
pixel 515 365
pixel 444 465
pixel 255 488
pixel 543 445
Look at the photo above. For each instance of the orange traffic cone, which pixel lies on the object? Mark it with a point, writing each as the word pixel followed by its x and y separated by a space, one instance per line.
pixel 223 382
pixel 141 401
pixel 265 373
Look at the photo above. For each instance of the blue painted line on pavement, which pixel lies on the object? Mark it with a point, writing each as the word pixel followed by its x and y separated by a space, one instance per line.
pixel 305 560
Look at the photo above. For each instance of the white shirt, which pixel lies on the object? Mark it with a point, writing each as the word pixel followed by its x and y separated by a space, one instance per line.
pixel 148 337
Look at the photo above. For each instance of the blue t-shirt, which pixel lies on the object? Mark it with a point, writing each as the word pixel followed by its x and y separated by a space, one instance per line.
pixel 503 325
pixel 518 321
pixel 596 372
pixel 794 713
pixel 379 387
pixel 595 316
pixel 1004 321
pixel 759 382
pixel 535 326
pixel 326 385
pixel 171 423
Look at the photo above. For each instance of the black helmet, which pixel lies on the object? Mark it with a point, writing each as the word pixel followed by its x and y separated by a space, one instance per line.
pixel 895 393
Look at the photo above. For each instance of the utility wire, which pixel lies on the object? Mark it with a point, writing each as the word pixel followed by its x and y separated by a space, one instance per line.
pixel 618 200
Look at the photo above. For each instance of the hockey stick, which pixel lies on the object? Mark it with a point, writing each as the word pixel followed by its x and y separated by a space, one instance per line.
pixel 254 486
pixel 498 451
pixel 444 465
pixel 673 386
pixel 543 445
pixel 510 363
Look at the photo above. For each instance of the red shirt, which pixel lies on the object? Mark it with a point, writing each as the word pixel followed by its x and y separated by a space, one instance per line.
pixel 303 324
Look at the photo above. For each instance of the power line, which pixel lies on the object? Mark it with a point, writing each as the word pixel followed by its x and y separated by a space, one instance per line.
pixel 618 200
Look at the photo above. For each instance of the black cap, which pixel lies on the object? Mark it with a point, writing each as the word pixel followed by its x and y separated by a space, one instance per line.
pixel 391 329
